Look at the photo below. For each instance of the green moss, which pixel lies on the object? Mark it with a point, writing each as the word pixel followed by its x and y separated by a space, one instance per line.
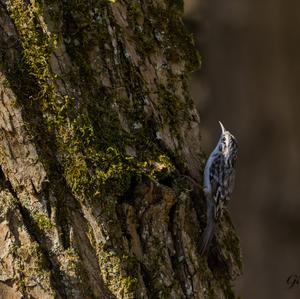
pixel 31 267
pixel 42 222
pixel 169 36
pixel 142 28
pixel 230 241
pixel 119 273
pixel 173 110
pixel 227 288
pixel 183 46
pixel 94 161
pixel 176 5
pixel 72 261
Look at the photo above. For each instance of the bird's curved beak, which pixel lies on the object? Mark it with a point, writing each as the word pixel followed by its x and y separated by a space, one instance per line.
pixel 222 127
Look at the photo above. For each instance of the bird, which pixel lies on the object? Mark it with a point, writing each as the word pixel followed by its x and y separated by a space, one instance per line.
pixel 218 182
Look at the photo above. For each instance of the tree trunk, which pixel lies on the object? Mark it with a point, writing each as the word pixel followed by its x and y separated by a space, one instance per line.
pixel 100 155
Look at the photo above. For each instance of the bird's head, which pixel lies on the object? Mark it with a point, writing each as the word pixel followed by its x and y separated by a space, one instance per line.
pixel 227 142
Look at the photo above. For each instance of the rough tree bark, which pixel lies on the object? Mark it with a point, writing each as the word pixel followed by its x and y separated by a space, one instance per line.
pixel 100 155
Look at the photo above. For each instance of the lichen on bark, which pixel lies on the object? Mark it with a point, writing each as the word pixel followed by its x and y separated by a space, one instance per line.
pixel 110 195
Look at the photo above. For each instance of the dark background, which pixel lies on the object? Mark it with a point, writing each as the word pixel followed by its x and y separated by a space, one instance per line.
pixel 250 80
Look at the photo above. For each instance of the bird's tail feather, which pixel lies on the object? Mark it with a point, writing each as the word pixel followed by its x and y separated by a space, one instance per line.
pixel 207 237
